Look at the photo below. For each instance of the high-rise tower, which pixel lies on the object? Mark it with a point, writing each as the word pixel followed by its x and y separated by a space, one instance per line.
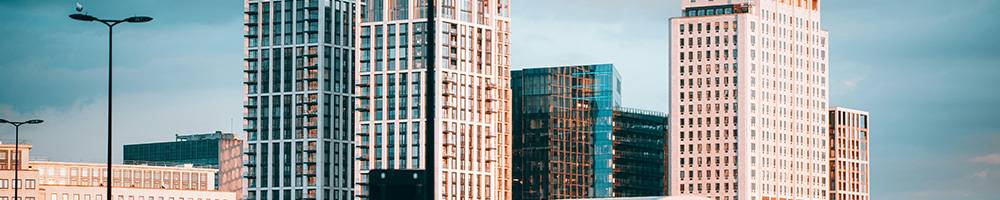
pixel 850 170
pixel 299 86
pixel 749 100
pixel 563 131
pixel 432 94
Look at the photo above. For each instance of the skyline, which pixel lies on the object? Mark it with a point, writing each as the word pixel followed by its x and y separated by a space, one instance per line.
pixel 891 76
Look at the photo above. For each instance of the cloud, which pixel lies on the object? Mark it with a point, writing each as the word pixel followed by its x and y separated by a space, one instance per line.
pixel 981 174
pixel 850 83
pixel 993 159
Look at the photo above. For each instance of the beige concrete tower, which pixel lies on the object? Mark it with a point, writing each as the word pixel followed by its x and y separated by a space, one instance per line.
pixel 748 100
pixel 462 100
pixel 849 154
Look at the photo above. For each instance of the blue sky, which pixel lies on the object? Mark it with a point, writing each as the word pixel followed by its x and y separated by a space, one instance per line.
pixel 926 70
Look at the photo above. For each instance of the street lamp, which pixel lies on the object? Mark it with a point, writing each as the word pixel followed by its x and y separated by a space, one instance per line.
pixel 17 148
pixel 111 24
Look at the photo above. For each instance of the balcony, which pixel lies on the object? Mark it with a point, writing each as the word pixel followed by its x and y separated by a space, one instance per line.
pixel 448 105
pixel 308 113
pixel 312 53
pixel 250 152
pixel 310 148
pixel 490 86
pixel 309 173
pixel 447 80
pixel 447 92
pixel 249 174
pixel 249 104
pixel 311 124
pixel 311 75
pixel 250 163
pixel 310 160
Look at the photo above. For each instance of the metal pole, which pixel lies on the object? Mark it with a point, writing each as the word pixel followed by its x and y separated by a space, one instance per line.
pixel 110 39
pixel 17 157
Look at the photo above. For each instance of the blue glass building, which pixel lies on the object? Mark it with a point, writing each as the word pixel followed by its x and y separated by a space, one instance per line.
pixel 606 97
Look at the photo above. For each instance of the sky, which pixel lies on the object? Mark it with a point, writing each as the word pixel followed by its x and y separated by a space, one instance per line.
pixel 926 70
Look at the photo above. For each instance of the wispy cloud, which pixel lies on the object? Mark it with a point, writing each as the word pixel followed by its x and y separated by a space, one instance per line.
pixel 993 159
pixel 981 174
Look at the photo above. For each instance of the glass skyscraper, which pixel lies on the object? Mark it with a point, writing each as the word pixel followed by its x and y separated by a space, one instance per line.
pixel 563 130
pixel 299 86
pixel 431 94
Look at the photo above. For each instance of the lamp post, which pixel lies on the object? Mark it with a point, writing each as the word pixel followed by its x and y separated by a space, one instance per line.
pixel 17 148
pixel 111 24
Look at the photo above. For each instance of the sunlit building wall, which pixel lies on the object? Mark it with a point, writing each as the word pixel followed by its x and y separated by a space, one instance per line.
pixel 748 102
pixel 460 98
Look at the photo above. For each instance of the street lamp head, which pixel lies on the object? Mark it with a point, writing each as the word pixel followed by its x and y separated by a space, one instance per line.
pixel 34 121
pixel 83 17
pixel 4 121
pixel 138 19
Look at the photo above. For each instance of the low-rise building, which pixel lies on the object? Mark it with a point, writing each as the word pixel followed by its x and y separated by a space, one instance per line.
pixel 48 180
pixel 8 161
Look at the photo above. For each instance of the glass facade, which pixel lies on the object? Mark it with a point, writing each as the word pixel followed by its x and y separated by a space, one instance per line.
pixel 606 96
pixel 639 144
pixel 562 116
pixel 196 152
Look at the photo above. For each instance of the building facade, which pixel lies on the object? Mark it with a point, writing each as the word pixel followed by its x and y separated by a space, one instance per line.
pixel 221 151
pixel 562 116
pixel 638 153
pixel 27 174
pixel 432 94
pixel 849 154
pixel 749 100
pixel 46 180
pixel 66 180
pixel 299 86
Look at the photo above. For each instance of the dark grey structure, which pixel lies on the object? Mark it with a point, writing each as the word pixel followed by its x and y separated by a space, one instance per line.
pixel 640 138
pixel 199 150
pixel 390 184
